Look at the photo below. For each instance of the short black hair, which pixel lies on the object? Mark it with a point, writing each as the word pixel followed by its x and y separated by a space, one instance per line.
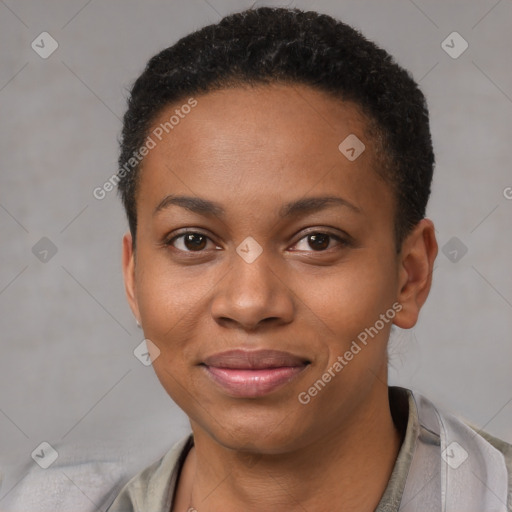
pixel 279 45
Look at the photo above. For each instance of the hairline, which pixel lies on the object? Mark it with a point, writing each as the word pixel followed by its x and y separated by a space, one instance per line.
pixel 381 160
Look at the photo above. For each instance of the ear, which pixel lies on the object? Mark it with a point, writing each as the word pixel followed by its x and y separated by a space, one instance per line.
pixel 416 264
pixel 129 274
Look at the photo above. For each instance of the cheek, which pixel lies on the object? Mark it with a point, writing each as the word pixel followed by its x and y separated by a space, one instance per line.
pixel 171 305
pixel 171 311
pixel 350 300
pixel 167 293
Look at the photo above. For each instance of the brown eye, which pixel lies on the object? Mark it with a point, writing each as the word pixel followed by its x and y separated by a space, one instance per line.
pixel 189 242
pixel 319 241
pixel 194 241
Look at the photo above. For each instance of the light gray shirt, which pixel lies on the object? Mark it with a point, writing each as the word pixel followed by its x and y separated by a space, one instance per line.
pixel 153 489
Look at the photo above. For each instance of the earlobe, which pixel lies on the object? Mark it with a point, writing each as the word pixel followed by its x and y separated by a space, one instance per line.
pixel 419 251
pixel 129 275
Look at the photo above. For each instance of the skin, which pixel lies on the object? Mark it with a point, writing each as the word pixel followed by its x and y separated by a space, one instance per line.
pixel 252 150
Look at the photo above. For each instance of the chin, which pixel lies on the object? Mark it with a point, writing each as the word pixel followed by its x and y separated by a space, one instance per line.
pixel 250 434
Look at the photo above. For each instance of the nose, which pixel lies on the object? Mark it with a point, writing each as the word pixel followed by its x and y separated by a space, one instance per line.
pixel 252 295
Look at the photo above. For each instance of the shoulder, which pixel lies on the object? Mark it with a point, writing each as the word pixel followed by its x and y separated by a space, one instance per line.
pixel 504 447
pixel 506 450
pixel 153 487
pixel 465 453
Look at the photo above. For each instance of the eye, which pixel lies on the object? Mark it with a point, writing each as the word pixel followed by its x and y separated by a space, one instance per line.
pixel 190 241
pixel 319 241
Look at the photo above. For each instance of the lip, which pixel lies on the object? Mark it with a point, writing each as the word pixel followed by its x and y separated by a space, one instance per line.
pixel 252 374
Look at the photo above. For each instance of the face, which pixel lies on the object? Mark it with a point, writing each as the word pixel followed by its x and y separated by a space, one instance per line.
pixel 296 255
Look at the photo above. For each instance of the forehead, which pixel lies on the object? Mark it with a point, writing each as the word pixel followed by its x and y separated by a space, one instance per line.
pixel 273 140
pixel 305 118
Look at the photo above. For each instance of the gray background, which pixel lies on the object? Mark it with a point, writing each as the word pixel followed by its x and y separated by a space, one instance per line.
pixel 68 375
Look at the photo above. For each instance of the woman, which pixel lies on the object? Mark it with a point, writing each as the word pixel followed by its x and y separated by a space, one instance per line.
pixel 275 170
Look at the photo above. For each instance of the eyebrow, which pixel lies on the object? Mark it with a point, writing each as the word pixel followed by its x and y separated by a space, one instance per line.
pixel 206 207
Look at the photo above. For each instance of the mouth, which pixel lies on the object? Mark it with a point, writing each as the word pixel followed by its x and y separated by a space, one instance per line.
pixel 252 374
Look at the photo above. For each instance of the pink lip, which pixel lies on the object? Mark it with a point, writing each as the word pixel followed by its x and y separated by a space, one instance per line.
pixel 251 374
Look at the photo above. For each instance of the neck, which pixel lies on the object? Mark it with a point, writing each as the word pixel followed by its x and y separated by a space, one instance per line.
pixel 350 465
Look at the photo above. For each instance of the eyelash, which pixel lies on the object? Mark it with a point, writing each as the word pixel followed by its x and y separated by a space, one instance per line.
pixel 344 242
